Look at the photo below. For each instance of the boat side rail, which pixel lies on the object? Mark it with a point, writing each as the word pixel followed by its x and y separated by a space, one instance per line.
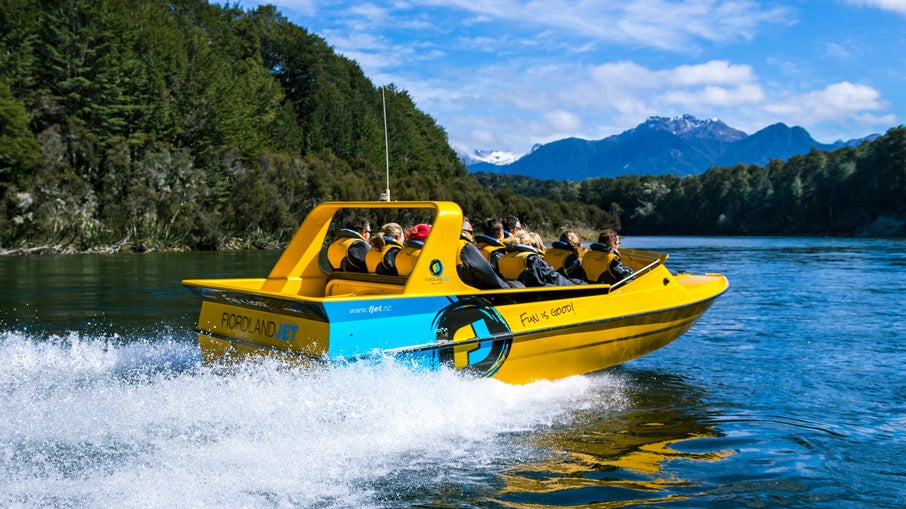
pixel 651 261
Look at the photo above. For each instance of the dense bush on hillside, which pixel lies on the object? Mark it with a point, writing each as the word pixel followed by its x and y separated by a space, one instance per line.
pixel 180 124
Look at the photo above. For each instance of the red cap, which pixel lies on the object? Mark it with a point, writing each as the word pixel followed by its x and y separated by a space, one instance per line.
pixel 418 232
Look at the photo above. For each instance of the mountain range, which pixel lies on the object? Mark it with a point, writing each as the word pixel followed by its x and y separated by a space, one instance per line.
pixel 680 146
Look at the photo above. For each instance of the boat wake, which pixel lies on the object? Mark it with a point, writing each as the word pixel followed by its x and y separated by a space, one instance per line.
pixel 107 421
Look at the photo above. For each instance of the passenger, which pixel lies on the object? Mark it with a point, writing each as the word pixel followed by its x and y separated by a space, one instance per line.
pixel 511 225
pixel 524 262
pixel 381 259
pixel 406 257
pixel 348 251
pixel 565 255
pixel 602 262
pixel 490 241
pixel 377 243
pixel 418 233
pixel 471 265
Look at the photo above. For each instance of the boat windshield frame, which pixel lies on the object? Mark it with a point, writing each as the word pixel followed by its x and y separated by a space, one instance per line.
pixel 434 270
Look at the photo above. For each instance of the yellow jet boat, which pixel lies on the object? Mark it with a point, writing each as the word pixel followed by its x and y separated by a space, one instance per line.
pixel 305 311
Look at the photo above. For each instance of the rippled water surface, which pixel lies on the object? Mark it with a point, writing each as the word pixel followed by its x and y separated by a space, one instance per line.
pixel 789 392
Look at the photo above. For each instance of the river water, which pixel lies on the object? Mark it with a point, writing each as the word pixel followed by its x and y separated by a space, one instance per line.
pixel 789 392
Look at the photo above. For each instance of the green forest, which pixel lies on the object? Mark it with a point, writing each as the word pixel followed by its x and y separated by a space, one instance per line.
pixel 183 125
pixel 850 191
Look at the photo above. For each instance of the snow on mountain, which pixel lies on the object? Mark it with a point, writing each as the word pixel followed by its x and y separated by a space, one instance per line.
pixel 495 157
pixel 688 127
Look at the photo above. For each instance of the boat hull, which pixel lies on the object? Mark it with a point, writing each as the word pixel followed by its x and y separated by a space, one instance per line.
pixel 518 336
pixel 597 345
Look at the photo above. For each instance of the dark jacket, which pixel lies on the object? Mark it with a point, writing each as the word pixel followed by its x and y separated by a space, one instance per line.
pixel 387 266
pixel 475 270
pixel 491 248
pixel 604 265
pixel 562 257
pixel 526 265
pixel 348 251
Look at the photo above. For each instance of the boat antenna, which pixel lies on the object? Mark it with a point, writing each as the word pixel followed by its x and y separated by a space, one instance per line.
pixel 385 196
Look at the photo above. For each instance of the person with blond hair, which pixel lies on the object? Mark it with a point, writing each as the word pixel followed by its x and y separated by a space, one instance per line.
pixel 412 249
pixel 565 256
pixel 524 262
pixel 381 259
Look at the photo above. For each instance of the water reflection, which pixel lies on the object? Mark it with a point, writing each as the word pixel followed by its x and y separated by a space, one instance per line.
pixel 636 453
pixel 131 295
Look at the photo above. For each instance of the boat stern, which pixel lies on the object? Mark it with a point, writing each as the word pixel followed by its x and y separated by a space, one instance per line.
pixel 235 325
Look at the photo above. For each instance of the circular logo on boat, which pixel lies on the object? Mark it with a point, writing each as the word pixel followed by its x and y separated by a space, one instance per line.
pixel 436 268
pixel 477 339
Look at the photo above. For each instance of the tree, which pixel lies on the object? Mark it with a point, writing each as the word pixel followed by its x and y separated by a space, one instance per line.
pixel 18 146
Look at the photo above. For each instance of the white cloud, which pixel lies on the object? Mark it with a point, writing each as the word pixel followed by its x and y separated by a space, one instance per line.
pixel 898 6
pixel 552 101
pixel 835 102
pixel 564 121
pixel 621 87
pixel 837 50
pixel 631 88
pixel 711 73
pixel 663 24
pixel 371 12
pixel 677 25
pixel 707 97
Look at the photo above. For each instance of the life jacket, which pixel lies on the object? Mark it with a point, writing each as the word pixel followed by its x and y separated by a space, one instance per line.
pixel 462 244
pixel 557 254
pixel 597 261
pixel 376 257
pixel 338 251
pixel 490 247
pixel 515 261
pixel 407 256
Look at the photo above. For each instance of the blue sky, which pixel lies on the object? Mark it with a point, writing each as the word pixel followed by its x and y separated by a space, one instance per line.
pixel 504 75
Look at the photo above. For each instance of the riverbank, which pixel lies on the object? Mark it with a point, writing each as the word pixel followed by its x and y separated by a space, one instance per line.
pixel 121 247
pixel 884 226
pixel 893 226
pixel 127 246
